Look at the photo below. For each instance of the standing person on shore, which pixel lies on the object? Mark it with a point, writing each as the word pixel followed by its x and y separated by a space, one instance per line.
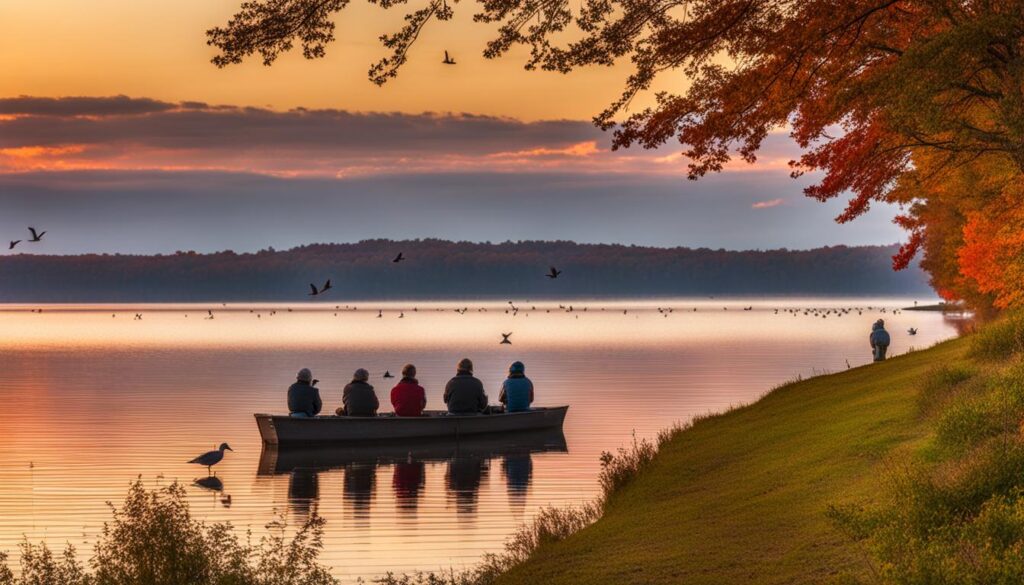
pixel 303 397
pixel 517 389
pixel 408 397
pixel 879 340
pixel 358 398
pixel 465 394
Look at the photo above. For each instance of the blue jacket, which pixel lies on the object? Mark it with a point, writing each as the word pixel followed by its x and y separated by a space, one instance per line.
pixel 879 336
pixel 516 393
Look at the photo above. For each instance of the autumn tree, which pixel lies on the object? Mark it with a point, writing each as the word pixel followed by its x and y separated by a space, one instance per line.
pixel 890 100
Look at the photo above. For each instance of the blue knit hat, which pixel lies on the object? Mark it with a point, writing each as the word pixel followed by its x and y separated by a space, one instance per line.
pixel 517 368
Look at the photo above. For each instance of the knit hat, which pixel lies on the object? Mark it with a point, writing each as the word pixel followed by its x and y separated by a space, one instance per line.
pixel 361 375
pixel 517 368
pixel 304 375
pixel 409 371
pixel 465 365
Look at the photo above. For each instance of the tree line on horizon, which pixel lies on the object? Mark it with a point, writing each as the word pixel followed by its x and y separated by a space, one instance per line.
pixel 443 269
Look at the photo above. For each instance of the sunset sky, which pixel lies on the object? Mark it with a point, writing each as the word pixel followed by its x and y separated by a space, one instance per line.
pixel 117 134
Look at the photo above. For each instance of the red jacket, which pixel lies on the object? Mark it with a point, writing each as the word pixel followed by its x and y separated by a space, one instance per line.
pixel 408 398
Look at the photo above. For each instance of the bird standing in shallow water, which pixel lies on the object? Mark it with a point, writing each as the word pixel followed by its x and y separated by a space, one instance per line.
pixel 211 458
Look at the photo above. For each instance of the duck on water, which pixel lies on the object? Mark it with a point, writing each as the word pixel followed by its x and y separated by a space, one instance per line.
pixel 468 410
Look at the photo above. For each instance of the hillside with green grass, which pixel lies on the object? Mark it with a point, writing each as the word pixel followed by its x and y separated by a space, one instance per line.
pixel 907 471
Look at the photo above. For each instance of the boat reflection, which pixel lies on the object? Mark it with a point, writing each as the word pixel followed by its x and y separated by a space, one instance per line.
pixel 467 462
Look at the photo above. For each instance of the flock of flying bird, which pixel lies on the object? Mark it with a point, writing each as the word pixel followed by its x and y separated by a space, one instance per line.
pixel 36 237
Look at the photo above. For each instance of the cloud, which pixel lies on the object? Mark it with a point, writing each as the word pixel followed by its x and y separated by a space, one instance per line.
pixel 769 203
pixel 85 106
pixel 124 133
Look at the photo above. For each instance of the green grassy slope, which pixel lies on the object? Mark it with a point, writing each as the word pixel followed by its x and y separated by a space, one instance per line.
pixel 741 497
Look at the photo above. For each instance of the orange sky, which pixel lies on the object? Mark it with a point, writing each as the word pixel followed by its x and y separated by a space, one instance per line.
pixel 157 49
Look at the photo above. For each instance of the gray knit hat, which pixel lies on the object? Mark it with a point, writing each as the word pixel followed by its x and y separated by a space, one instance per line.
pixel 361 375
pixel 304 375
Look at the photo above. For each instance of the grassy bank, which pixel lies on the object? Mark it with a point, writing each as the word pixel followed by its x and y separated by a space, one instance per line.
pixel 746 496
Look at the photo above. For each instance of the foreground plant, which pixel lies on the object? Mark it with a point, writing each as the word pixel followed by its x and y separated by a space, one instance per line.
pixel 154 540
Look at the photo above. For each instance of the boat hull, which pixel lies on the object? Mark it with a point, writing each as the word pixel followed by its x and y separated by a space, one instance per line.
pixel 283 429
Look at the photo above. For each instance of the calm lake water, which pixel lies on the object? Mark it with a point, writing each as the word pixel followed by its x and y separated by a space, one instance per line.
pixel 93 398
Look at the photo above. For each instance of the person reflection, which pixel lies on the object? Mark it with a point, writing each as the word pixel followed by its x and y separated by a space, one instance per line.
pixel 518 469
pixel 303 490
pixel 360 478
pixel 463 482
pixel 408 481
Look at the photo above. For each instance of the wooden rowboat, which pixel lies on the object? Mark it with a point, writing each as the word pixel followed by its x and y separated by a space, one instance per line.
pixel 283 429
pixel 284 459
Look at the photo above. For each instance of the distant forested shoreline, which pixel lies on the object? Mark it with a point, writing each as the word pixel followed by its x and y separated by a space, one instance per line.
pixel 443 269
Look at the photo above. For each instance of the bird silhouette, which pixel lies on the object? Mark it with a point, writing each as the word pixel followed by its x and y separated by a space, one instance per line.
pixel 326 287
pixel 36 236
pixel 398 258
pixel 13 244
pixel 314 291
pixel 505 338
pixel 448 60
pixel 912 331
pixel 388 374
pixel 553 273
pixel 211 458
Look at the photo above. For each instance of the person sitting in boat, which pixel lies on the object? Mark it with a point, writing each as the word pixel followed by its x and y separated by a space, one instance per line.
pixel 303 397
pixel 465 394
pixel 408 397
pixel 358 398
pixel 879 340
pixel 517 389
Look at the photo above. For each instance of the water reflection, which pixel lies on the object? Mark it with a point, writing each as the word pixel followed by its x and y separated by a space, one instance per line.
pixel 303 491
pixel 212 483
pixel 407 481
pixel 467 463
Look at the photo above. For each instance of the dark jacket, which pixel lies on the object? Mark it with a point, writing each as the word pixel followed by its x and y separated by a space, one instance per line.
pixel 879 336
pixel 303 397
pixel 360 399
pixel 465 394
pixel 516 393
pixel 408 398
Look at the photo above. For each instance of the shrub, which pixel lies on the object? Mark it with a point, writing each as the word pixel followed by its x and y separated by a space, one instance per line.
pixel 1000 339
pixel 153 540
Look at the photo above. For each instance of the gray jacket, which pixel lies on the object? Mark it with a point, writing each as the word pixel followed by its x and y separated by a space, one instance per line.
pixel 304 397
pixel 465 394
pixel 360 399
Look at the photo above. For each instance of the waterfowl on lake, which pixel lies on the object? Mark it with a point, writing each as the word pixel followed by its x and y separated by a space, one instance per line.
pixel 211 458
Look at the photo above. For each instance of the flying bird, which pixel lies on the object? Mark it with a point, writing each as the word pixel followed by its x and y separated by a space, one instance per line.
pixel 211 458
pixel 13 244
pixel 326 287
pixel 314 291
pixel 448 60
pixel 398 258
pixel 912 331
pixel 553 273
pixel 36 236
pixel 505 338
